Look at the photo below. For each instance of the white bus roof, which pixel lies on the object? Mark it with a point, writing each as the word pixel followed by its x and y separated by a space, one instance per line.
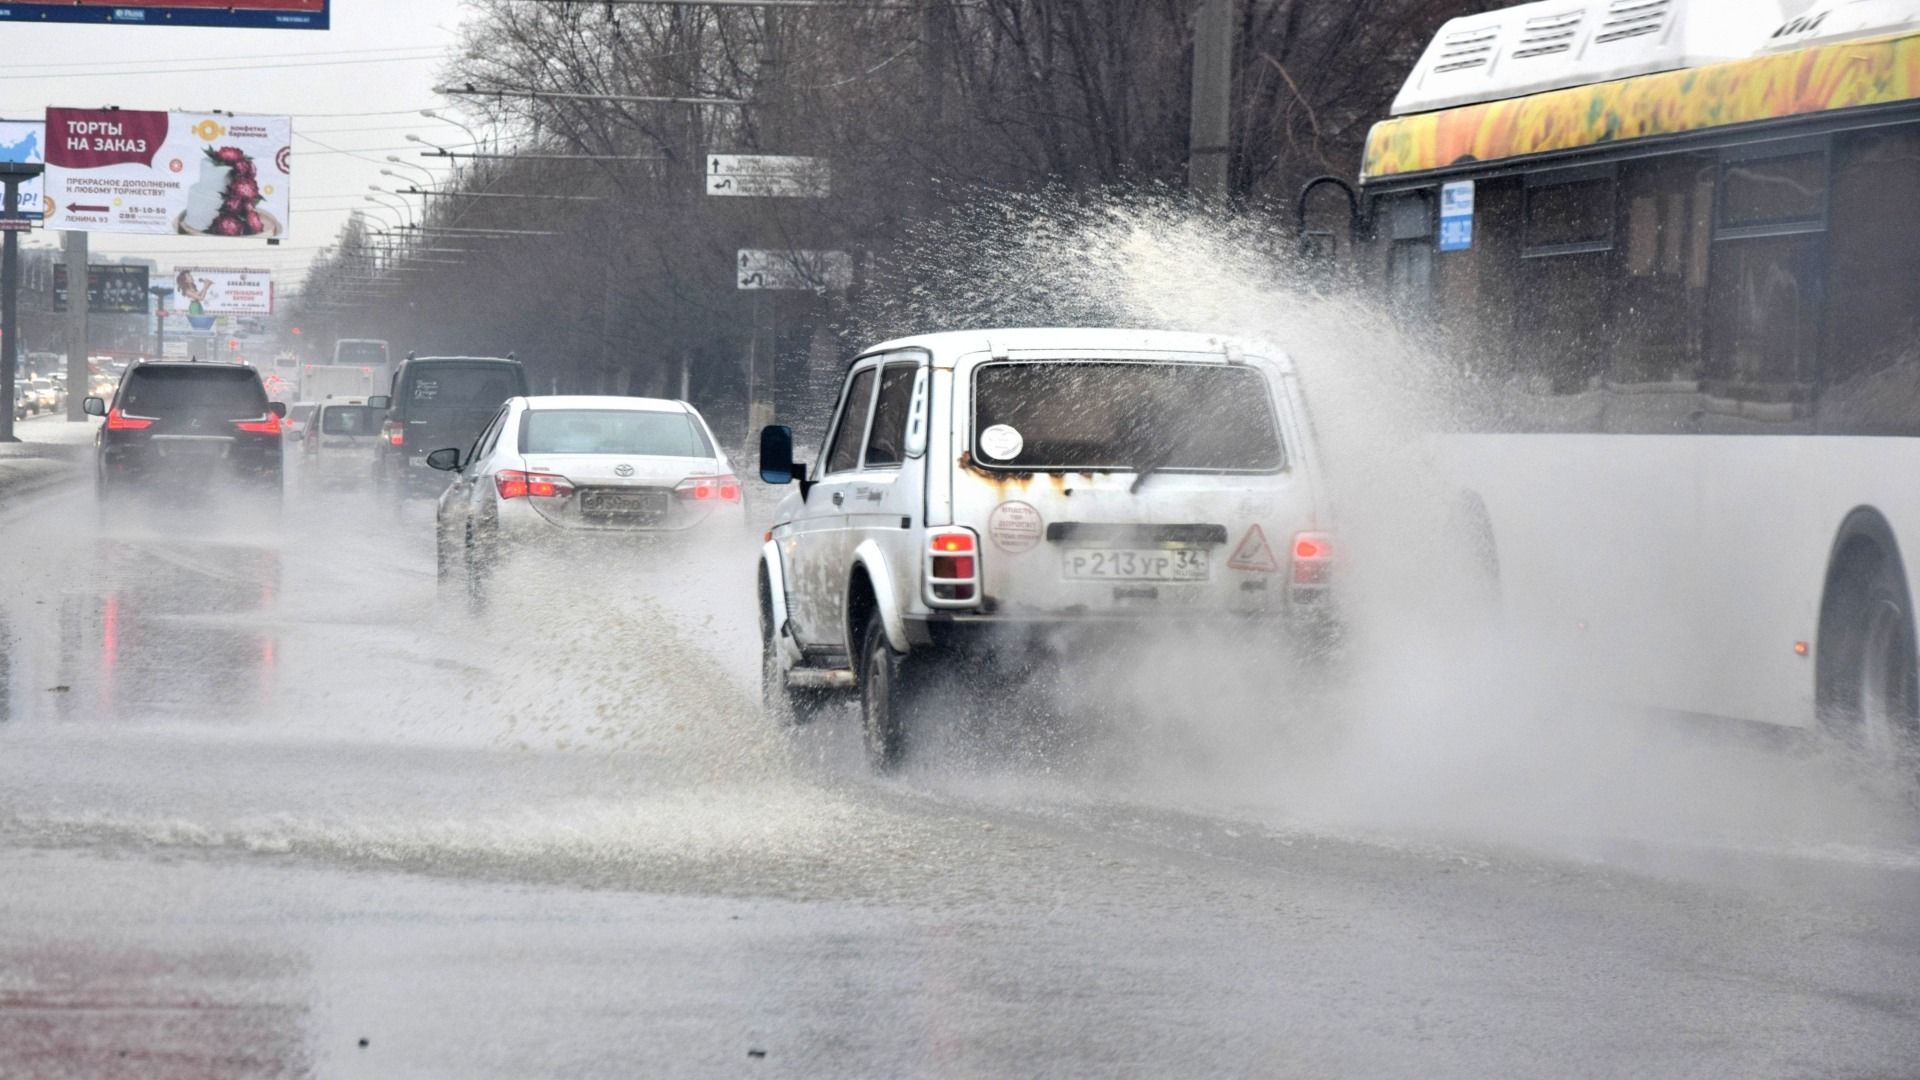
pixel 1553 44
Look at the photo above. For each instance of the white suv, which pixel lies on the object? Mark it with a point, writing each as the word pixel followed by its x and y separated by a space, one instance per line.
pixel 1033 480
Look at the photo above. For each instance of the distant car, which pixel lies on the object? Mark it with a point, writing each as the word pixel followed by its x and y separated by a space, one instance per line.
pixel 439 401
pixel 341 442
pixel 188 425
pixel 46 393
pixel 298 414
pixel 548 468
pixel 22 402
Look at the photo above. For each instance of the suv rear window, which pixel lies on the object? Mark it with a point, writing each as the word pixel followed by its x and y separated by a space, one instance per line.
pixel 1084 415
pixel 155 391
pixel 350 420
pixel 613 431
pixel 461 386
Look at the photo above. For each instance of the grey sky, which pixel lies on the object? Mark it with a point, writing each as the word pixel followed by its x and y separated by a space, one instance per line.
pixel 381 56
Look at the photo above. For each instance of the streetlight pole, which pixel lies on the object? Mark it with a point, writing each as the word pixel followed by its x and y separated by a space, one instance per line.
pixel 1210 133
pixel 160 294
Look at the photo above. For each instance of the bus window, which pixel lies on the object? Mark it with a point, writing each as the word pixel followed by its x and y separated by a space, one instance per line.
pixel 1570 216
pixel 1568 238
pixel 1765 298
pixel 1780 191
pixel 1410 259
pixel 1870 360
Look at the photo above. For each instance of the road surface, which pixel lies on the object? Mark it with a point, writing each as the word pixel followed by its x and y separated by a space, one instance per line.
pixel 268 807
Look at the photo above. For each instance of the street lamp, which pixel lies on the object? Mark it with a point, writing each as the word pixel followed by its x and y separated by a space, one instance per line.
pixel 397 222
pixel 432 114
pixel 407 165
pixel 404 204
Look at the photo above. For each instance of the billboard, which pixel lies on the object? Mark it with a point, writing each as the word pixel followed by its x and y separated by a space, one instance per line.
pixel 24 142
pixel 281 14
pixel 158 173
pixel 200 293
pixel 111 289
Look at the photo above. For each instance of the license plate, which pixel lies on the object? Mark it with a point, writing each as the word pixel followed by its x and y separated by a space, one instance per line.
pixel 1135 564
pixel 190 448
pixel 645 503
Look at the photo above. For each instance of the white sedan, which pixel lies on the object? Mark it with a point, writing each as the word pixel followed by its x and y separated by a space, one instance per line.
pixel 546 469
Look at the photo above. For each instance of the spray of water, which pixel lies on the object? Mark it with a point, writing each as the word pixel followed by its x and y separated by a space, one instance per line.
pixel 1442 717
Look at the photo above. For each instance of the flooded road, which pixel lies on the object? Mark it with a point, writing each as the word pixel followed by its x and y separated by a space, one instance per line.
pixel 268 807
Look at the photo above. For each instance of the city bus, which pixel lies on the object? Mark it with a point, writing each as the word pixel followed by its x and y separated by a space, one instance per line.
pixel 1672 248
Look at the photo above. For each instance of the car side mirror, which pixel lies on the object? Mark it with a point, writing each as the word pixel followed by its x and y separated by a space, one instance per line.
pixel 446 460
pixel 278 408
pixel 94 407
pixel 776 454
pixel 379 401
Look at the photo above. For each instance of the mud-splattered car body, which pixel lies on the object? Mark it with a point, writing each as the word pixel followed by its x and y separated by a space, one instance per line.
pixel 1038 479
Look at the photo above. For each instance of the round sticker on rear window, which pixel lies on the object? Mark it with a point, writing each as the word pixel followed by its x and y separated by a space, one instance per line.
pixel 1014 527
pixel 1001 442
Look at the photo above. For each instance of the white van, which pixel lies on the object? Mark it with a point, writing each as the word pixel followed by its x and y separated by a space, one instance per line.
pixel 1029 480
pixel 340 443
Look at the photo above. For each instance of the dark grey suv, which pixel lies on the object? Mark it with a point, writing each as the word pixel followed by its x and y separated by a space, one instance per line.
pixel 185 425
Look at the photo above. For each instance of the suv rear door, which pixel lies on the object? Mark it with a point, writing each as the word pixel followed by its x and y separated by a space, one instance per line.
pixel 1102 484
pixel 447 402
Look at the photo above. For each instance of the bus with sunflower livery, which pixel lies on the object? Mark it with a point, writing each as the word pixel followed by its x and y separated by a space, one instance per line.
pixel 1673 249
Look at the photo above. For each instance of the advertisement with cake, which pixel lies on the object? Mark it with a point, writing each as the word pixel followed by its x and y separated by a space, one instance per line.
pixel 170 174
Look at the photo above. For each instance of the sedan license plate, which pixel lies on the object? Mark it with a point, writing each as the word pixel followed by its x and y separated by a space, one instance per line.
pixel 1135 564
pixel 624 503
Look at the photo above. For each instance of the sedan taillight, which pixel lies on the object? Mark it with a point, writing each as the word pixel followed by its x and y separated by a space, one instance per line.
pixel 709 489
pixel 515 484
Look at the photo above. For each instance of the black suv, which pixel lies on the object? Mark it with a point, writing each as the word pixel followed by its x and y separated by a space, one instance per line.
pixel 440 401
pixel 190 423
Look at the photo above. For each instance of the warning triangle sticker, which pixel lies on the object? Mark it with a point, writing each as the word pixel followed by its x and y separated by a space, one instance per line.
pixel 1254 554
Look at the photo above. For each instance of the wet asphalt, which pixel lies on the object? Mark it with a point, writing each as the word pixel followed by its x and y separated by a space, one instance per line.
pixel 273 805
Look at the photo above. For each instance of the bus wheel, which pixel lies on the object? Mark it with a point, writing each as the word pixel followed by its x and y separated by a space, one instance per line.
pixel 1870 678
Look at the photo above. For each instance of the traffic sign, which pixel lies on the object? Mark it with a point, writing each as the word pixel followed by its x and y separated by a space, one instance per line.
pixel 818 271
pixel 768 176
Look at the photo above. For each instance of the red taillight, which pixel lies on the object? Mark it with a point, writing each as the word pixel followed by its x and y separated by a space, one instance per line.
pixel 396 433
pixel 119 421
pixel 953 566
pixel 1312 559
pixel 515 484
pixel 953 570
pixel 709 489
pixel 266 425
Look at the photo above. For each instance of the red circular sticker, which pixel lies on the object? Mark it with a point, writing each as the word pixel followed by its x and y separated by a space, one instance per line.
pixel 1014 527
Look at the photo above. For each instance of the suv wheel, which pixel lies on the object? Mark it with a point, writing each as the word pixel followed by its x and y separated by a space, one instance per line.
pixel 887 691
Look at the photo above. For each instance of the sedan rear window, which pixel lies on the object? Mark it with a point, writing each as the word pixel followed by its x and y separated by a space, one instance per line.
pixel 1061 415
pixel 613 431
pixel 155 391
